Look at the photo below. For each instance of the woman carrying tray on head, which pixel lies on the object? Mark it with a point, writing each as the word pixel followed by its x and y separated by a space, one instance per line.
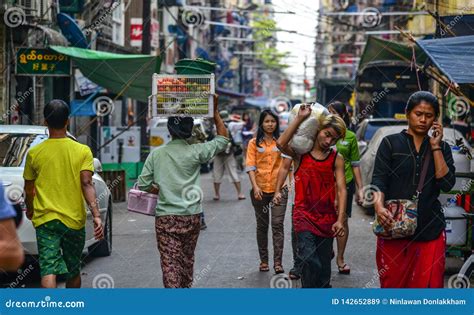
pixel 174 169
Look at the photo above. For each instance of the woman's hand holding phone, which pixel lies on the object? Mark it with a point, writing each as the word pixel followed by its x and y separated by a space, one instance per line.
pixel 435 140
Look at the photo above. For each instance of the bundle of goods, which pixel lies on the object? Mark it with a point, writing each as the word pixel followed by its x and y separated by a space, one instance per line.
pixel 303 140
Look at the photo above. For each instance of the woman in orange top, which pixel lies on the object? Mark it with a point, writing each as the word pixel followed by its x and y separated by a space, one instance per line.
pixel 263 163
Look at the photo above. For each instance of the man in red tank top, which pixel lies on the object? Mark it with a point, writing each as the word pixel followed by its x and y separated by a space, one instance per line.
pixel 315 195
pixel 315 218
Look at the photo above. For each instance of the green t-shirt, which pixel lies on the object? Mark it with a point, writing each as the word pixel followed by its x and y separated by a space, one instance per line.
pixel 349 150
pixel 175 169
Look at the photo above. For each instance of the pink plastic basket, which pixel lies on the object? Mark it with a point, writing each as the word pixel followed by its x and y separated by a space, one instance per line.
pixel 141 201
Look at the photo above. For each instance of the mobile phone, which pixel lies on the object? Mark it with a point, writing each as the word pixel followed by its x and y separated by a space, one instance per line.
pixel 435 132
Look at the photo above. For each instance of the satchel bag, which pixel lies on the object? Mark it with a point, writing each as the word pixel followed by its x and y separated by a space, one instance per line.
pixel 141 201
pixel 404 211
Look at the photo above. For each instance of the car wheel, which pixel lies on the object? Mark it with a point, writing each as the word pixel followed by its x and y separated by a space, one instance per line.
pixel 103 248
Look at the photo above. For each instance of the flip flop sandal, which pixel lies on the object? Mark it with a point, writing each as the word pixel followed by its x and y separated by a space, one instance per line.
pixel 344 270
pixel 278 269
pixel 264 267
pixel 294 276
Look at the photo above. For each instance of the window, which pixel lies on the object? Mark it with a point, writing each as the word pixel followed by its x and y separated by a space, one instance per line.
pixel 14 147
pixel 118 24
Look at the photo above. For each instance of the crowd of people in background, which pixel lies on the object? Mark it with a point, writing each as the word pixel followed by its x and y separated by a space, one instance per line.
pixel 324 183
pixel 318 186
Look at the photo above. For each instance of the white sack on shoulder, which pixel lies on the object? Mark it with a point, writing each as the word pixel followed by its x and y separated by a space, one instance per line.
pixel 303 140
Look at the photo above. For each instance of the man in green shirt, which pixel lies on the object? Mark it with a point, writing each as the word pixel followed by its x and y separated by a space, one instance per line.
pixel 173 171
pixel 349 150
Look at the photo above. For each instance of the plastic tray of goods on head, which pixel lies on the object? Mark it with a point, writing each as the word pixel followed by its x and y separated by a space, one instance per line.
pixel 182 95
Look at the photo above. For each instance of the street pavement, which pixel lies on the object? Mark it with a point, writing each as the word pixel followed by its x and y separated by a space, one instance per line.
pixel 226 253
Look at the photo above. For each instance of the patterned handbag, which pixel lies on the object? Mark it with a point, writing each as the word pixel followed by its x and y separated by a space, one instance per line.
pixel 404 211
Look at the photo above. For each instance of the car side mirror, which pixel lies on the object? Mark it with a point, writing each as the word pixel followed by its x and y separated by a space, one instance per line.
pixel 97 165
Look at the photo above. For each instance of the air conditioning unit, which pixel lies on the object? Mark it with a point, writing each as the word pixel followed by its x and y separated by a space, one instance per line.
pixel 37 9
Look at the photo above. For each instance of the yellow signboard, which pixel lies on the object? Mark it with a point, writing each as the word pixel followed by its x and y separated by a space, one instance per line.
pixel 400 116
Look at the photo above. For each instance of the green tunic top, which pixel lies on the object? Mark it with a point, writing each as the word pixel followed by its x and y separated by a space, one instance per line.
pixel 175 168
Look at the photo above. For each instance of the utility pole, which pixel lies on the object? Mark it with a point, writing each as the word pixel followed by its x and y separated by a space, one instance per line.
pixel 241 46
pixel 146 42
pixel 304 80
pixel 213 45
pixel 142 107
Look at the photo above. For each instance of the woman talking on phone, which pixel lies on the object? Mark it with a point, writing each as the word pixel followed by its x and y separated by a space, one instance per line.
pixel 418 260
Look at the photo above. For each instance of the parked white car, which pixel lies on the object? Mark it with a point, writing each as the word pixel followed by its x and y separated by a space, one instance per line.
pixel 15 141
pixel 367 160
pixel 368 127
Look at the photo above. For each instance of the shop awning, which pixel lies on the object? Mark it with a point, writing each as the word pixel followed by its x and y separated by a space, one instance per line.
pixel 119 73
pixel 378 49
pixel 452 56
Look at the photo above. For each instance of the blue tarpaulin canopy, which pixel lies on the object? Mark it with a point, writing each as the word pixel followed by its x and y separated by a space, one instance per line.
pixel 261 102
pixel 452 56
pixel 230 93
